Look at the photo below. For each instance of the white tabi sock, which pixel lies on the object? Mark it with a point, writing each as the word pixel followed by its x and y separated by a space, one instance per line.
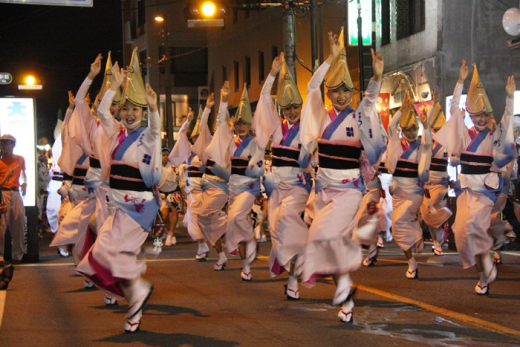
pixel 250 251
pixel 245 266
pixel 293 283
pixel 203 247
pixel 344 284
pixel 222 258
pixel 412 264
pixel 483 278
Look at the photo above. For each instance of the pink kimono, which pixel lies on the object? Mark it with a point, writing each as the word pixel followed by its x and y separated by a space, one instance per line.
pixel 183 152
pixel 483 156
pixel 246 159
pixel 288 185
pixel 339 138
pixel 135 167
pixel 409 165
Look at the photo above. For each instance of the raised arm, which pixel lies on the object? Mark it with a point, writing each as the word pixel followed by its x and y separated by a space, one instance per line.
pixel 266 119
pixel 182 148
pixel 108 122
pixel 205 135
pixel 95 67
pixel 218 149
pixel 153 117
pixel 510 101
pixel 457 93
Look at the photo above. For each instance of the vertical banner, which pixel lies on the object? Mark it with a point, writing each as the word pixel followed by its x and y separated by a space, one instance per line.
pixel 383 109
pixel 366 22
pixel 18 116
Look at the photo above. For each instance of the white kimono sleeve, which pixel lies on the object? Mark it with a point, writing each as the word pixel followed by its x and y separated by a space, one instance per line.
pixel 394 150
pixel 106 135
pixel 71 152
pixel 266 120
pixel 424 157
pixel 313 112
pixel 218 149
pixel 503 137
pixel 204 138
pixel 368 123
pixel 453 134
pixel 149 158
pixel 82 121
pixel 182 149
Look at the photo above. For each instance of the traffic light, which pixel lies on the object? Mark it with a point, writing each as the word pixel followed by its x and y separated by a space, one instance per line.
pixel 205 13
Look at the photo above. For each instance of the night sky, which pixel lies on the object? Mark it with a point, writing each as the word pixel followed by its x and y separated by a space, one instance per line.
pixel 56 44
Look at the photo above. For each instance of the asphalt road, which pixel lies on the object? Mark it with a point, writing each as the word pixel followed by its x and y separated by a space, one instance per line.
pixel 193 305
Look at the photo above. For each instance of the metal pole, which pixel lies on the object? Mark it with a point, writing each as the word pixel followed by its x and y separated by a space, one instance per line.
pixel 360 51
pixel 168 101
pixel 288 21
pixel 314 44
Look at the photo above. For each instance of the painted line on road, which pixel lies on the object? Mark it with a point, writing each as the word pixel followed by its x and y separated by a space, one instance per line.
pixel 3 294
pixel 445 312
pixel 260 257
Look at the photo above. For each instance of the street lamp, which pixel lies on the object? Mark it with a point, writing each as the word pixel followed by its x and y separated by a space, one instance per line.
pixel 208 9
pixel 205 14
pixel 30 80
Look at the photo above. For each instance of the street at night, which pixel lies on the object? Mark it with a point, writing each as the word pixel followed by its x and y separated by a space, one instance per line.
pixel 193 305
pixel 271 148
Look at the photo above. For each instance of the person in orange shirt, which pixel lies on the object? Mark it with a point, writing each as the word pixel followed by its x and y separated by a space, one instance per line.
pixel 11 167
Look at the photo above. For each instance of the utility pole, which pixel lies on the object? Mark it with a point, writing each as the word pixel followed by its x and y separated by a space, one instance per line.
pixel 314 43
pixel 360 51
pixel 288 23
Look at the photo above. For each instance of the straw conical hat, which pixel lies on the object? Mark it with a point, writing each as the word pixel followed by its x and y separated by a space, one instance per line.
pixel 408 116
pixel 477 100
pixel 438 118
pixel 339 73
pixel 288 93
pixel 133 90
pixel 244 113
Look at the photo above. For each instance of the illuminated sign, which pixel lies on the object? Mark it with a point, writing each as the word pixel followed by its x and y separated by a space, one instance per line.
pixel 81 3
pixel 366 23
pixel 5 78
pixel 30 87
pixel 18 118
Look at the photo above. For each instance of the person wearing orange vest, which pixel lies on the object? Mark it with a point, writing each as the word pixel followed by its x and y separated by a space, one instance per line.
pixel 12 166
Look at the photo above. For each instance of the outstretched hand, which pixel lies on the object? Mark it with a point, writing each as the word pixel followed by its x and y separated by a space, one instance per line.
pixel 119 76
pixel 151 98
pixel 95 67
pixel 463 72
pixel 424 119
pixel 224 92
pixel 72 100
pixel 277 65
pixel 231 124
pixel 335 47
pixel 378 64
pixel 189 118
pixel 211 101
